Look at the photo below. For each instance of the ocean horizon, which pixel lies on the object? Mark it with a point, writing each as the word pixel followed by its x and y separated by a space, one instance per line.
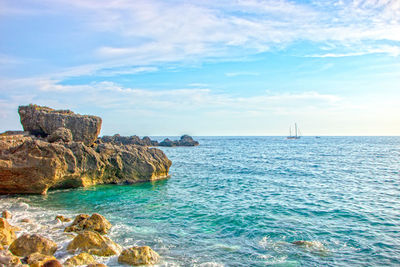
pixel 248 201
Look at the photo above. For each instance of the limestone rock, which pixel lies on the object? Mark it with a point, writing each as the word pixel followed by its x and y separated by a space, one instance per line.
pixel 185 140
pixel 128 140
pixel 93 243
pixel 8 259
pixel 96 223
pixel 138 256
pixel 45 121
pixel 63 219
pixel 6 214
pixel 7 234
pixel 30 165
pixel 31 243
pixel 96 265
pixel 81 259
pixel 61 134
pixel 37 259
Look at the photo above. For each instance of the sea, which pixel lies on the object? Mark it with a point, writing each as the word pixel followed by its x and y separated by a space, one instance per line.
pixel 247 201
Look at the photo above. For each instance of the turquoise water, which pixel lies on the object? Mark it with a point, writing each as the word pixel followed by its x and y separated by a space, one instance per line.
pixel 242 201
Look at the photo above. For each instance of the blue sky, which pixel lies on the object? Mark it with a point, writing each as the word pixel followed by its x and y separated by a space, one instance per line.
pixel 206 67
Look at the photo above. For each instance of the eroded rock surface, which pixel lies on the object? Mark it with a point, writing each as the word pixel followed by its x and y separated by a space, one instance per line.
pixel 81 259
pixel 44 121
pixel 138 256
pixel 8 259
pixel 96 223
pixel 38 260
pixel 28 244
pixel 7 234
pixel 93 243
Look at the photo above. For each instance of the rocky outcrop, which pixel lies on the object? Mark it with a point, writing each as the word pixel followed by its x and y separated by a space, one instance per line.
pixel 128 140
pixel 62 218
pixel 93 243
pixel 96 223
pixel 81 259
pixel 44 121
pixel 138 256
pixel 6 214
pixel 28 244
pixel 7 234
pixel 31 165
pixel 185 140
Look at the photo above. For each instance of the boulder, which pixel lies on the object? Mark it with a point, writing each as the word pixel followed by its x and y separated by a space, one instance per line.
pixel 37 259
pixel 96 265
pixel 81 259
pixel 6 214
pixel 44 121
pixel 93 243
pixel 138 256
pixel 7 234
pixel 96 223
pixel 8 259
pixel 61 134
pixel 52 263
pixel 31 243
pixel 32 166
pixel 63 219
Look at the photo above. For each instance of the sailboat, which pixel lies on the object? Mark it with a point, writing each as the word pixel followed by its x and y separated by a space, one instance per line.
pixel 296 132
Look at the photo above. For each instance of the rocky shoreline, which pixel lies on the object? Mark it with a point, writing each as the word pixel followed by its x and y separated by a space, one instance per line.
pixel 87 244
pixel 60 149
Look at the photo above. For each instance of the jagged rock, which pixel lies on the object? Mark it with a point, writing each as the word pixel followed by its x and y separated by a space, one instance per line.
pixel 6 214
pixel 30 165
pixel 93 243
pixel 45 121
pixel 61 134
pixel 31 243
pixel 7 234
pixel 96 223
pixel 63 219
pixel 81 259
pixel 37 259
pixel 185 140
pixel 138 256
pixel 8 259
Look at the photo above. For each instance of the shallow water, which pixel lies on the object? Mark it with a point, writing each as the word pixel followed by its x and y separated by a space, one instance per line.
pixel 242 201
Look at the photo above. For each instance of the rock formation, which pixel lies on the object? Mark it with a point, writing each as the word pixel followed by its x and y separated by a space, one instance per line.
pixel 32 164
pixel 7 234
pixel 37 259
pixel 81 259
pixel 94 243
pixel 28 244
pixel 45 121
pixel 185 140
pixel 96 223
pixel 138 256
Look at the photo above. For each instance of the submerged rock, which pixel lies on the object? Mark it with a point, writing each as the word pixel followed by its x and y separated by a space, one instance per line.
pixel 7 234
pixel 37 259
pixel 63 219
pixel 96 223
pixel 81 259
pixel 93 243
pixel 44 121
pixel 31 243
pixel 138 256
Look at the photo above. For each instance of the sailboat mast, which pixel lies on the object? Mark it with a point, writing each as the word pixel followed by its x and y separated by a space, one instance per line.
pixel 290 131
pixel 295 126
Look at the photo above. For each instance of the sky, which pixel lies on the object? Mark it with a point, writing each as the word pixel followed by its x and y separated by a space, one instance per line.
pixel 237 67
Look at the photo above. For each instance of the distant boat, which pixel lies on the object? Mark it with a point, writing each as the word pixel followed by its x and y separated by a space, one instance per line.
pixel 296 132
